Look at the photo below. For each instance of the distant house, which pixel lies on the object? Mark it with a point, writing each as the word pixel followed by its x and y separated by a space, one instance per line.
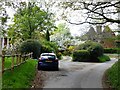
pixel 105 36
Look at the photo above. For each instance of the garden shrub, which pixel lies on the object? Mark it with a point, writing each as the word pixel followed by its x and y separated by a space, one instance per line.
pixel 110 50
pixel 103 58
pixel 81 55
pixel 49 47
pixel 31 46
pixel 84 46
pixel 46 49
pixel 94 48
pixel 69 50
pixel 95 51
pixel 59 55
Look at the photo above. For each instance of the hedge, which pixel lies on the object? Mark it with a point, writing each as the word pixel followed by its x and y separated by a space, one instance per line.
pixel 95 50
pixel 110 50
pixel 31 46
pixel 81 55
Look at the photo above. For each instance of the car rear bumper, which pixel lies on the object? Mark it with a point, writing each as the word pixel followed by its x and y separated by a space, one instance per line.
pixel 48 66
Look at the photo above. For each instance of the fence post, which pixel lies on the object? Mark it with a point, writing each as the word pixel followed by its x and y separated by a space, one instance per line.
pixel 31 55
pixel 17 59
pixel 12 66
pixel 23 58
pixel 3 61
pixel 20 58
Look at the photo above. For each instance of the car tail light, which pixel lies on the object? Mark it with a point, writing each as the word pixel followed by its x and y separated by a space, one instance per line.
pixel 56 60
pixel 39 60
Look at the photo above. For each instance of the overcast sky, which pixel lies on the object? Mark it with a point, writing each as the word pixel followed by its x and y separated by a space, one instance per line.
pixel 76 16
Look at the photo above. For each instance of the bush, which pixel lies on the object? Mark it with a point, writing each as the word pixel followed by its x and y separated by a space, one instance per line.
pixel 48 47
pixel 59 55
pixel 81 55
pixel 95 50
pixel 69 50
pixel 110 50
pixel 31 46
pixel 103 58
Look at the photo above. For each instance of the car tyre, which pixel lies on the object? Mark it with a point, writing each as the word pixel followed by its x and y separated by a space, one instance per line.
pixel 38 67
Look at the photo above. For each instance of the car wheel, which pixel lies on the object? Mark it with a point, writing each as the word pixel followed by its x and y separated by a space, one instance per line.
pixel 57 69
pixel 38 67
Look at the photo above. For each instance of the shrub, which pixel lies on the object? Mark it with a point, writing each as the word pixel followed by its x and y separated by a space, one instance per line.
pixel 31 46
pixel 48 47
pixel 103 58
pixel 81 55
pixel 95 50
pixel 59 55
pixel 69 50
pixel 110 50
pixel 84 46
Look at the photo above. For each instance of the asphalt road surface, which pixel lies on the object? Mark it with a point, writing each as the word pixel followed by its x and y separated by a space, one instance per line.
pixel 77 74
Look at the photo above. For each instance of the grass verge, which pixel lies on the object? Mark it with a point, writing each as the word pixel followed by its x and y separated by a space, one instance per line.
pixel 8 62
pixel 104 58
pixel 21 76
pixel 113 76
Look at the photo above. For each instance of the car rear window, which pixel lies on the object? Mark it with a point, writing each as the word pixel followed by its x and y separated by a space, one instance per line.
pixel 51 57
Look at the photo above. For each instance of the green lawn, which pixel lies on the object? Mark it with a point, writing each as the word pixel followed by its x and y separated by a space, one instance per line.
pixel 8 62
pixel 113 75
pixel 21 77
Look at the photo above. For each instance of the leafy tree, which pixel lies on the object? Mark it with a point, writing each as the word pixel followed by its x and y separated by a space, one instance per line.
pixel 3 20
pixel 29 19
pixel 62 36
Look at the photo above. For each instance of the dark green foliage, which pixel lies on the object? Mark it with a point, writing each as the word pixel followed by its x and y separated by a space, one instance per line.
pixel 31 46
pixel 103 58
pixel 113 75
pixel 84 46
pixel 110 50
pixel 81 55
pixel 48 47
pixel 95 50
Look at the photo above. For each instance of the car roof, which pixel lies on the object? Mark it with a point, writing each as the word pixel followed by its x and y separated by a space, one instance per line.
pixel 48 53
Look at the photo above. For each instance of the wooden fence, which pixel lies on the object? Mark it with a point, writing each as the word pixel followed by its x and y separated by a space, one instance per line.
pixel 20 59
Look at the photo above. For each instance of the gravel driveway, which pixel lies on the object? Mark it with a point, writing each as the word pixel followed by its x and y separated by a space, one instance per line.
pixel 73 75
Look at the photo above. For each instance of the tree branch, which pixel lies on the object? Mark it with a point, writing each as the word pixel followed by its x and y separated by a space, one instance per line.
pixel 94 23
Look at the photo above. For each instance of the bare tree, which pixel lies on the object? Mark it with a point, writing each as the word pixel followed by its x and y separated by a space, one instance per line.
pixel 96 12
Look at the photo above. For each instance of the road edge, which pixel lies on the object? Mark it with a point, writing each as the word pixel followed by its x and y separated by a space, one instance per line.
pixel 105 83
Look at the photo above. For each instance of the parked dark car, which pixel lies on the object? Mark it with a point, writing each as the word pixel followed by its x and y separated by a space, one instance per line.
pixel 48 61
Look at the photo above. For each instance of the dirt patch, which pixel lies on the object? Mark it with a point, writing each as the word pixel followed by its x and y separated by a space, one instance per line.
pixel 39 79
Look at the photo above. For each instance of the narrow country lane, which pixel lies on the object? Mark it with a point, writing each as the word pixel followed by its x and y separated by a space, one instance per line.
pixel 77 74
